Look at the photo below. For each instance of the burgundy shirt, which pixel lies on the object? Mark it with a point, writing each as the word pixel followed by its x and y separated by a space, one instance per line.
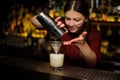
pixel 72 53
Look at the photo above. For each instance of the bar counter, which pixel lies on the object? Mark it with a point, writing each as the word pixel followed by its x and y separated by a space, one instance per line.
pixel 19 68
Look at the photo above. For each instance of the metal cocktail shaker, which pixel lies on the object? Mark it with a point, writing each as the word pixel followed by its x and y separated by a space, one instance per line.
pixel 47 22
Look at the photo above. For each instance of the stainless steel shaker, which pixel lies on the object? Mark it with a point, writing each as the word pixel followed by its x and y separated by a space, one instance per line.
pixel 50 25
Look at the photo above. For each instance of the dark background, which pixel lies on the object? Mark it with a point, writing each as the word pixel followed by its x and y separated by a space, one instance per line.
pixel 6 4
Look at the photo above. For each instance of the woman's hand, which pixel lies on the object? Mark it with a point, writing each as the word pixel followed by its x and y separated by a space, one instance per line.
pixel 35 22
pixel 78 40
pixel 60 23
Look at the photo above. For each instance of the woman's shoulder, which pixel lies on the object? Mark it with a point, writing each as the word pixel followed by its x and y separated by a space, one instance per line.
pixel 95 33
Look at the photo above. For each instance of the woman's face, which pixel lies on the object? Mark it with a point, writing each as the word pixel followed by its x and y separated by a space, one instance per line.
pixel 74 20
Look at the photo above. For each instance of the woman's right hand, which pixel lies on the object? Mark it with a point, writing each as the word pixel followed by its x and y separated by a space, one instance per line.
pixel 59 22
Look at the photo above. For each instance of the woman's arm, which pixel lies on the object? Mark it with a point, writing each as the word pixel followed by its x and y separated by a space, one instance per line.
pixel 35 22
pixel 86 52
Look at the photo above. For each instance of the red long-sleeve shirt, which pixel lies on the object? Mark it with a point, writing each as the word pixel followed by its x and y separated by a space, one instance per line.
pixel 72 53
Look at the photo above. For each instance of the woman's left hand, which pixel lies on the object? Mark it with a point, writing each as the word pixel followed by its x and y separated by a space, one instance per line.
pixel 77 40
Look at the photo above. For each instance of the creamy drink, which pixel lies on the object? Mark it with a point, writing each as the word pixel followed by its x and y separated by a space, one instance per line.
pixel 56 60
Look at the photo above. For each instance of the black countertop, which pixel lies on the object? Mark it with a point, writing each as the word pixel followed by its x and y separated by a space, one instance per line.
pixel 20 68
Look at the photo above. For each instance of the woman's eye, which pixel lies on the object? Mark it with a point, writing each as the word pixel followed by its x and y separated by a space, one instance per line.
pixel 67 18
pixel 77 20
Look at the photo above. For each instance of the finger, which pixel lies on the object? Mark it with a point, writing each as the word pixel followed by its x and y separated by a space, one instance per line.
pixel 62 25
pixel 66 30
pixel 75 40
pixel 57 19
pixel 67 43
pixel 84 34
pixel 80 38
pixel 59 23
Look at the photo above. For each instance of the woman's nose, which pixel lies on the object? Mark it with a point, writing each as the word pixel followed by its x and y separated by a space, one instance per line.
pixel 71 23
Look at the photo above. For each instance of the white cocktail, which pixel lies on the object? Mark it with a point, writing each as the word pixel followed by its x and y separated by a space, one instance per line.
pixel 56 60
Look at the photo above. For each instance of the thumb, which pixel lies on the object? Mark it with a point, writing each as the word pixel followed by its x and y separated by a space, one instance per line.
pixel 84 34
